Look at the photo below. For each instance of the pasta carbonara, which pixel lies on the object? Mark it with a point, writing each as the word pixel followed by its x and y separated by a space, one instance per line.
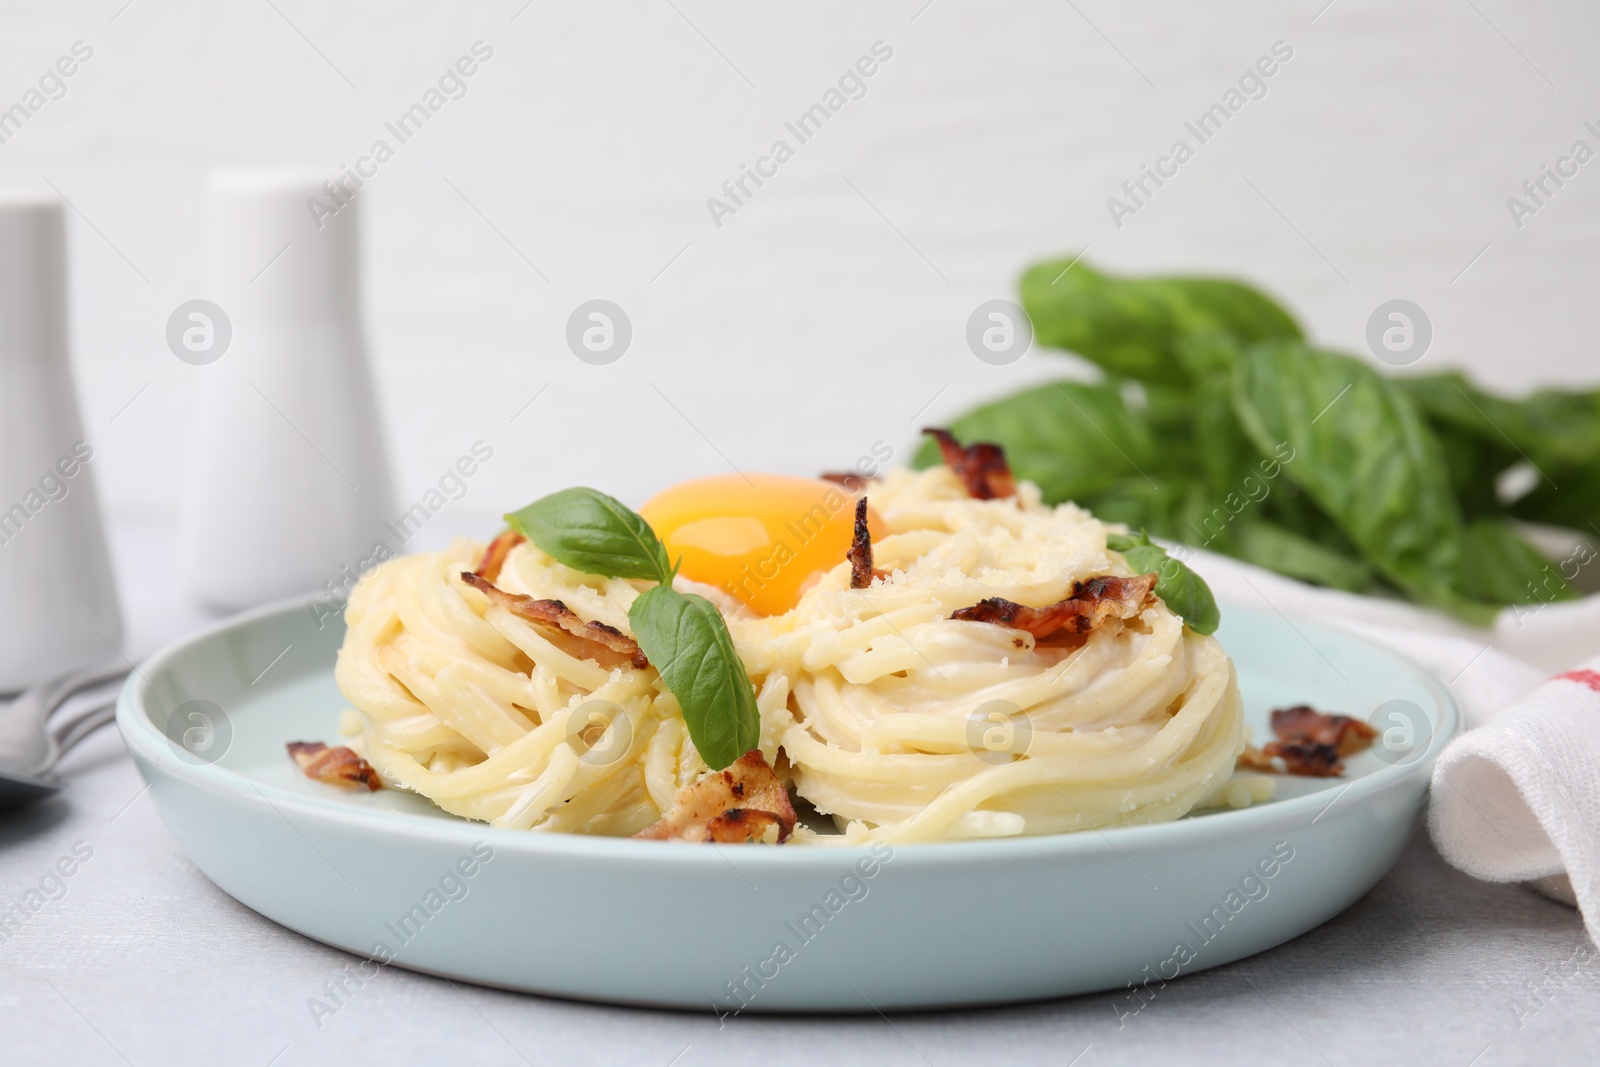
pixel 881 711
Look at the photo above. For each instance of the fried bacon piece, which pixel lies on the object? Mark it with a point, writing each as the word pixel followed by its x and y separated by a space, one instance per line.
pixel 1310 742
pixel 1307 758
pixel 494 557
pixel 336 766
pixel 860 555
pixel 981 466
pixel 606 645
pixel 1090 604
pixel 850 480
pixel 736 806
pixel 1302 722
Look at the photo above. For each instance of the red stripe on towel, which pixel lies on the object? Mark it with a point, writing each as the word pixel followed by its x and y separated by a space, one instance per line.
pixel 1588 678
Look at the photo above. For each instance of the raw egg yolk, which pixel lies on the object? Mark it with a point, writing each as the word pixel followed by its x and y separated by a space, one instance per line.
pixel 761 537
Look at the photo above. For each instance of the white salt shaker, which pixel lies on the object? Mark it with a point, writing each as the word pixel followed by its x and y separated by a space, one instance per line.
pixel 289 482
pixel 58 601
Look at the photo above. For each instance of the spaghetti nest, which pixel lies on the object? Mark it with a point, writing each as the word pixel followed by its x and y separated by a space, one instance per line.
pixel 881 710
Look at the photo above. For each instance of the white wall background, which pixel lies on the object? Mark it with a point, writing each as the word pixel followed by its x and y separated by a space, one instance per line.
pixel 819 318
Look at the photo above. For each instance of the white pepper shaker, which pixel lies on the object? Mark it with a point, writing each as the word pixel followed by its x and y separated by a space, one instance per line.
pixel 58 599
pixel 289 480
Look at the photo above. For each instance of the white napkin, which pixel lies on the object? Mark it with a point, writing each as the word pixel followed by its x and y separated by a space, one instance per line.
pixel 1519 798
pixel 1516 797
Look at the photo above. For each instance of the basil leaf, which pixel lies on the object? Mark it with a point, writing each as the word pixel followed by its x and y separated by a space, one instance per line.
pixel 684 636
pixel 1173 508
pixel 1072 440
pixel 594 533
pixel 1557 431
pixel 1501 567
pixel 1476 464
pixel 1184 591
pixel 1365 456
pixel 688 642
pixel 1168 409
pixel 1266 544
pixel 1291 508
pixel 1576 504
pixel 1210 383
pixel 1132 326
pixel 1228 457
pixel 1550 425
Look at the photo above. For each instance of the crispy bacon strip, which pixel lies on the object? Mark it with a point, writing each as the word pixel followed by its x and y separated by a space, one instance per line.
pixel 1307 758
pixel 1305 723
pixel 860 554
pixel 1088 607
pixel 1310 742
pixel 494 557
pixel 336 766
pixel 852 482
pixel 981 465
pixel 607 645
pixel 735 806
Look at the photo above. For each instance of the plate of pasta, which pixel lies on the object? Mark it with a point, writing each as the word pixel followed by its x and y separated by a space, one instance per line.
pixel 881 739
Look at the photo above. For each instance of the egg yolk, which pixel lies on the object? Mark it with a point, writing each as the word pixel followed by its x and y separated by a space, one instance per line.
pixel 761 537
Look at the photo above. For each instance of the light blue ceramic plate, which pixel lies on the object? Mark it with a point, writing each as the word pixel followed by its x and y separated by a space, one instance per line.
pixel 388 876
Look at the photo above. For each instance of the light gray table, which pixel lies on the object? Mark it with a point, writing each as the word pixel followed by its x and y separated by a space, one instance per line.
pixel 143 961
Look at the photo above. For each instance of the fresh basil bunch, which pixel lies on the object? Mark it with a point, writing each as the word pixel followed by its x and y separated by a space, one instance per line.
pixel 684 636
pixel 1217 425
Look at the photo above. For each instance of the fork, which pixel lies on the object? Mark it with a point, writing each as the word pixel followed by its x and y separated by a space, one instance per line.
pixel 31 746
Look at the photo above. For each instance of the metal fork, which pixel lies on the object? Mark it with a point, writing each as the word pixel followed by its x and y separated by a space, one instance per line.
pixel 31 745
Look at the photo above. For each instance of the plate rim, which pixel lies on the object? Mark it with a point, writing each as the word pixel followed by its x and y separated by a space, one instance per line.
pixel 144 741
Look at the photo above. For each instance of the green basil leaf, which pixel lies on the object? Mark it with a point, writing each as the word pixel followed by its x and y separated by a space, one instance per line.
pixel 1476 464
pixel 594 533
pixel 1269 545
pixel 1367 458
pixel 1557 431
pixel 1172 508
pixel 1501 567
pixel 1168 408
pixel 1228 456
pixel 684 636
pixel 1550 426
pixel 688 642
pixel 1567 496
pixel 1184 591
pixel 1189 518
pixel 1072 440
pixel 1132 326
pixel 1291 508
